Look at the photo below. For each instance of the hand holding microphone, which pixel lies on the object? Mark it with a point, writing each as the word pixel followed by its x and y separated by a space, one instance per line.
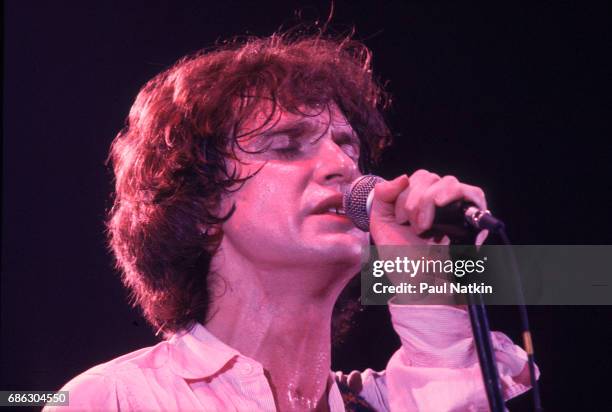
pixel 406 211
pixel 421 209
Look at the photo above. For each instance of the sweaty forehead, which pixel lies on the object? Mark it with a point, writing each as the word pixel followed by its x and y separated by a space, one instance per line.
pixel 304 121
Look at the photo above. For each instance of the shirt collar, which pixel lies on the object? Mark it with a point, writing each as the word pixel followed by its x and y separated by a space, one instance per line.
pixel 196 353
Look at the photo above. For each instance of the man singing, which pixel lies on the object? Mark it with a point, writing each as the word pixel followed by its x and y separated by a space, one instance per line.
pixel 229 230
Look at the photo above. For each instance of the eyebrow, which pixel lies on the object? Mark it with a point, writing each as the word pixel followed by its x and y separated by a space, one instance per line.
pixel 292 129
pixel 304 126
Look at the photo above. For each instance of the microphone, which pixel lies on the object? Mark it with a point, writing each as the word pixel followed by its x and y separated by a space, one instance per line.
pixel 457 219
pixel 461 221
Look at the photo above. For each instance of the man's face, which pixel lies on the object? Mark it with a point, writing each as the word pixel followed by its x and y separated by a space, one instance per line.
pixel 286 214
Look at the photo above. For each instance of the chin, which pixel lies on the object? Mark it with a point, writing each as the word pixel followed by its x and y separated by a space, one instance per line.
pixel 342 248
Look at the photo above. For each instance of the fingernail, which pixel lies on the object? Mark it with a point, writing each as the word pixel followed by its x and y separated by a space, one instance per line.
pixel 401 180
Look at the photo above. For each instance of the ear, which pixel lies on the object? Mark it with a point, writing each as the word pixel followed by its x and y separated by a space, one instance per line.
pixel 227 205
pixel 209 230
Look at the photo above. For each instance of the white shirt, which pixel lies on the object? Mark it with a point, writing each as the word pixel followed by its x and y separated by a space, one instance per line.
pixel 436 369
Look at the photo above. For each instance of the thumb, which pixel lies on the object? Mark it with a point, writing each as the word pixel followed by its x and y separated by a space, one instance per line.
pixel 388 192
pixel 385 196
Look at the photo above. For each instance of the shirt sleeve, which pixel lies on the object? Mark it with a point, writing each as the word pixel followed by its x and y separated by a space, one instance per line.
pixel 437 366
pixel 89 392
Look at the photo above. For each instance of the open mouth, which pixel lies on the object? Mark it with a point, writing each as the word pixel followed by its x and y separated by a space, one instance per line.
pixel 336 210
pixel 331 205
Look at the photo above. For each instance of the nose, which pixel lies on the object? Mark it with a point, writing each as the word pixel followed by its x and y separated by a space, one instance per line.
pixel 334 165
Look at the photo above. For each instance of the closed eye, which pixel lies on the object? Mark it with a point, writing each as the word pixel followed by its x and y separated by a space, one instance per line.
pixel 351 150
pixel 288 152
pixel 285 145
pixel 349 143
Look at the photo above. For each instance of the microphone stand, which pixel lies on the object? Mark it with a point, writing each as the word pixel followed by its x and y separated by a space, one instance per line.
pixel 464 233
pixel 481 333
pixel 459 221
pixel 484 348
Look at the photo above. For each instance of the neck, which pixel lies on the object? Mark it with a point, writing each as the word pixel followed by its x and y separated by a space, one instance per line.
pixel 293 346
pixel 282 322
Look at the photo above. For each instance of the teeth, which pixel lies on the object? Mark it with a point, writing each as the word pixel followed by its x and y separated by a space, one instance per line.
pixel 338 211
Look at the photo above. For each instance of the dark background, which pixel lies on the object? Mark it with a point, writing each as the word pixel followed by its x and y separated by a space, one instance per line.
pixel 506 96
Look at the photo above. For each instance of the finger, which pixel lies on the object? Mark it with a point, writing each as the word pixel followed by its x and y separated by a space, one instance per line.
pixel 445 241
pixel 385 196
pixel 481 237
pixel 476 195
pixel 439 193
pixel 389 191
pixel 439 241
pixel 463 191
pixel 426 213
pixel 448 190
pixel 418 174
pixel 460 191
pixel 409 209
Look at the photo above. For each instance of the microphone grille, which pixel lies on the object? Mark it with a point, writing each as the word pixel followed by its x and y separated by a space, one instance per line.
pixel 355 200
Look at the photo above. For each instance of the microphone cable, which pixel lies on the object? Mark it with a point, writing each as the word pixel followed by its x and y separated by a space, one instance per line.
pixel 522 308
pixel 477 219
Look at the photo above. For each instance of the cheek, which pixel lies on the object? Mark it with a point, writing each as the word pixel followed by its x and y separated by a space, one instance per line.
pixel 268 207
pixel 270 202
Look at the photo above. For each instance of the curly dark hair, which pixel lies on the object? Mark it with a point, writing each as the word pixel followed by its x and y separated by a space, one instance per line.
pixel 169 160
